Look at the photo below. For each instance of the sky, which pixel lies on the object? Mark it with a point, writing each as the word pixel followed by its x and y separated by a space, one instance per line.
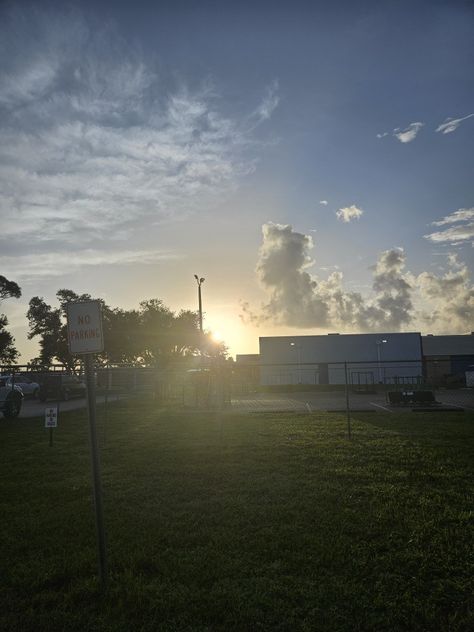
pixel 312 160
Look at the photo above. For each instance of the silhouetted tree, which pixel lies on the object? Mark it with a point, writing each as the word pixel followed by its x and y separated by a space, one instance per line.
pixel 49 324
pixel 8 351
pixel 165 335
pixel 122 336
pixel 8 289
pixel 150 336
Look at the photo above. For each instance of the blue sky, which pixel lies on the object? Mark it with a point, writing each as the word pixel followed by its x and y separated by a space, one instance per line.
pixel 313 162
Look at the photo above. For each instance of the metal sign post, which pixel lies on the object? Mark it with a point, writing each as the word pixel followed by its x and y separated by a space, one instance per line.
pixel 85 337
pixel 96 478
pixel 51 421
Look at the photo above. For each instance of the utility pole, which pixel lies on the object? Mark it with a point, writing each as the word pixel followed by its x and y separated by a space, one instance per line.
pixel 379 344
pixel 200 281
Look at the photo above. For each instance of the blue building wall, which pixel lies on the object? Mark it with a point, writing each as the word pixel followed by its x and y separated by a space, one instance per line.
pixel 382 357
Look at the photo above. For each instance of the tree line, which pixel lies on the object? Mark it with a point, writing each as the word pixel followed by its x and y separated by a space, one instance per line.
pixel 152 335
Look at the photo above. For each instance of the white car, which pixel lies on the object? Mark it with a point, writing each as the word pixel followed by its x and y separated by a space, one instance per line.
pixel 27 386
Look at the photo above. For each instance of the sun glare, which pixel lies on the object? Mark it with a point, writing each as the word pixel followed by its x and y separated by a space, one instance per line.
pixel 217 336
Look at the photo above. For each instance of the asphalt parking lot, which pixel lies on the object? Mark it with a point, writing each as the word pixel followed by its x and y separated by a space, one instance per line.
pixel 281 402
pixel 336 400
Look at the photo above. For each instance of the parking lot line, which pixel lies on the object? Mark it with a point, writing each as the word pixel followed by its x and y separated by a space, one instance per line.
pixel 380 406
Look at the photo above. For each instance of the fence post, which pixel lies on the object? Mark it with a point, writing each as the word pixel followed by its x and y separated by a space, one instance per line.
pixel 347 403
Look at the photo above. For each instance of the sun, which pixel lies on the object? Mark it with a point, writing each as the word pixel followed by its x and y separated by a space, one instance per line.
pixel 217 336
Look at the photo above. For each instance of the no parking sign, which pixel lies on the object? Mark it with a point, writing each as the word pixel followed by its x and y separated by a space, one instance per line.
pixel 51 418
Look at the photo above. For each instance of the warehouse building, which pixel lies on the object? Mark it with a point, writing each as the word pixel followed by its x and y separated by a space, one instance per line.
pixel 390 358
pixel 447 358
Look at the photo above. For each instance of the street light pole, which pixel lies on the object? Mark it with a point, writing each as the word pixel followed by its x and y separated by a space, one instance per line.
pixel 379 361
pixel 200 281
pixel 298 355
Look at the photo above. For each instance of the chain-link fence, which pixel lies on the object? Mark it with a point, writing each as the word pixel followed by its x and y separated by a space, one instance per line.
pixel 382 385
pixel 207 386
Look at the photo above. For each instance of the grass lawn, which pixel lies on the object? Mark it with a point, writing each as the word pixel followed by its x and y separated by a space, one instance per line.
pixel 234 522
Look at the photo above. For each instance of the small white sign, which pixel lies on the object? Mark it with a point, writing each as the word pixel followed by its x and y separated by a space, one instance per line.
pixel 51 418
pixel 84 327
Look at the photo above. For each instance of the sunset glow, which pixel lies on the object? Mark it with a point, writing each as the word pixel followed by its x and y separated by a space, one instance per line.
pixel 312 187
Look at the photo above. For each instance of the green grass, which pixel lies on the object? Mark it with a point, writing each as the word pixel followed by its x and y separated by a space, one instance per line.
pixel 233 522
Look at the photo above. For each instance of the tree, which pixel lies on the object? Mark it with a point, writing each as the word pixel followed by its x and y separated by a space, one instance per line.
pixel 8 351
pixel 8 289
pixel 167 336
pixel 49 324
pixel 158 336
pixel 153 335
pixel 121 336
pixel 46 323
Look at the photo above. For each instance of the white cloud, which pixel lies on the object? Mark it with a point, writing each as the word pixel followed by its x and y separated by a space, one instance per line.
pixel 382 135
pixel 323 202
pixel 348 213
pixel 409 134
pixel 449 297
pixel 57 264
pixel 299 299
pixel 269 102
pixel 458 234
pixel 398 299
pixel 450 125
pixel 461 232
pixel 463 214
pixel 93 142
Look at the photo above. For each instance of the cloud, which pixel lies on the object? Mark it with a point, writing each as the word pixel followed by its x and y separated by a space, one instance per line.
pixel 458 234
pixel 43 265
pixel 299 299
pixel 409 134
pixel 323 202
pixel 269 102
pixel 95 143
pixel 397 299
pixel 283 259
pixel 450 298
pixel 463 214
pixel 450 125
pixel 406 135
pixel 461 227
pixel 348 213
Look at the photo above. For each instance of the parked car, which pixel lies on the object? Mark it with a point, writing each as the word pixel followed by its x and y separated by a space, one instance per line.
pixel 11 398
pixel 60 386
pixel 28 387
